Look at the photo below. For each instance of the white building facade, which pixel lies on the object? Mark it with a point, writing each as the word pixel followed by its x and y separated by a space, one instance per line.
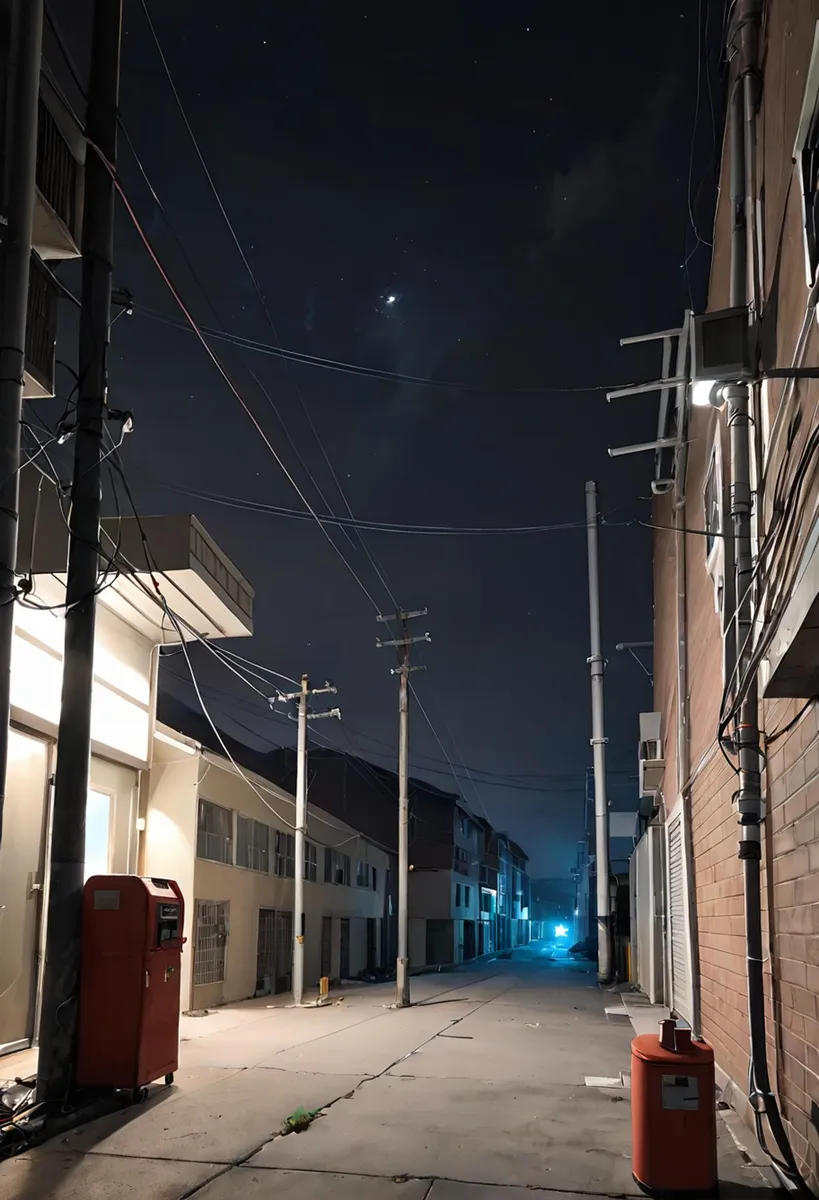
pixel 227 837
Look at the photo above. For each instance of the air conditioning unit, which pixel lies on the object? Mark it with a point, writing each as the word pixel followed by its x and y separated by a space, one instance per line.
pixel 651 758
pixel 723 346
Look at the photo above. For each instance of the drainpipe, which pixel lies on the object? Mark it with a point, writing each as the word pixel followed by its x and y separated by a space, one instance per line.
pixel 743 48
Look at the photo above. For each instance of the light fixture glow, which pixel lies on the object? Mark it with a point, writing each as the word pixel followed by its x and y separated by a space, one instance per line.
pixel 704 392
pixel 561 931
pixel 391 299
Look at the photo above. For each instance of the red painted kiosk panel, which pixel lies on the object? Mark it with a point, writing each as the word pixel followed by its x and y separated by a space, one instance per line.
pixel 129 981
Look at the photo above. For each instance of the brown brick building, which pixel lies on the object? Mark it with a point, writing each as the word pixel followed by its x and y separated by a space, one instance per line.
pixel 695 632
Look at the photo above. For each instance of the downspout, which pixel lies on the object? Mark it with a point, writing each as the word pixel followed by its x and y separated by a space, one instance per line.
pixel 743 47
pixel 144 784
pixel 681 630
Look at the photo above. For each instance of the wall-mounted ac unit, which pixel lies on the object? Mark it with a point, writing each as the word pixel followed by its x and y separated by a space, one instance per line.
pixel 651 758
pixel 723 346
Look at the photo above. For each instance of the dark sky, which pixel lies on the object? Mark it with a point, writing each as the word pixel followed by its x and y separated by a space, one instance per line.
pixel 518 178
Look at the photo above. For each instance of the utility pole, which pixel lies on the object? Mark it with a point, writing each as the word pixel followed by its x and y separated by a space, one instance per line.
pixel 302 696
pixel 20 168
pixel 67 864
pixel 598 741
pixel 403 671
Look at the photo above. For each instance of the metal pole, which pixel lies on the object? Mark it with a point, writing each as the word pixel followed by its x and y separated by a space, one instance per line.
pixel 598 741
pixel 14 275
pixel 402 985
pixel 301 822
pixel 61 979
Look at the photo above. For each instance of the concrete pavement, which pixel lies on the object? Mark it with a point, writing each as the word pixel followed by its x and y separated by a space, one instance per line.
pixel 479 1086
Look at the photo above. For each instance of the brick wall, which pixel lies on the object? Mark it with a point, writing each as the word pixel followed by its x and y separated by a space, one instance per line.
pixel 793 795
pixel 791 835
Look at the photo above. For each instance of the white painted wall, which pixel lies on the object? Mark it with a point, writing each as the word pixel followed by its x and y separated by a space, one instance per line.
pixel 121 701
pixel 178 779
pixel 169 840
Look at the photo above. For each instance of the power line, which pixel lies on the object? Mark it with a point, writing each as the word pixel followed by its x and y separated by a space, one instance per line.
pixel 222 371
pixel 394 527
pixel 198 281
pixel 376 373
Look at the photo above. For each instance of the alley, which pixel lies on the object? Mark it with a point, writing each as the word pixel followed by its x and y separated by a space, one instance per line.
pixel 481 1083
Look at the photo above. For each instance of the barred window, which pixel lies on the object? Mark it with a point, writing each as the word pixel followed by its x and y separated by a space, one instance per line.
pixel 210 941
pixel 252 845
pixel 214 838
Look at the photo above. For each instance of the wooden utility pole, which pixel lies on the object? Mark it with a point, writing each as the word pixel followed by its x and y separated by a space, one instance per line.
pixel 403 671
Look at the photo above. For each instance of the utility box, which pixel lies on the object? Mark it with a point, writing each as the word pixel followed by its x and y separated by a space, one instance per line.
pixel 673 1114
pixel 129 982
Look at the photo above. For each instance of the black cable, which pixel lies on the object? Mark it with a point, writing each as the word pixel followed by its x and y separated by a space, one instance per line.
pixel 785 729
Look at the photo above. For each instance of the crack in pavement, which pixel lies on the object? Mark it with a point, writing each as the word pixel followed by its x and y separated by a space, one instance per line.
pixel 324 1108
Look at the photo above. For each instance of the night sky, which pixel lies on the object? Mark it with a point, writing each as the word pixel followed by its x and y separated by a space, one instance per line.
pixel 488 194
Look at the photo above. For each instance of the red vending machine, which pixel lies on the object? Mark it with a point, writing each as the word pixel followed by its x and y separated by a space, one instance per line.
pixel 129 982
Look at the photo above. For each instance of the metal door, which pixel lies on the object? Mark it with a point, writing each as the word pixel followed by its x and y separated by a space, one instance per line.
pixel 680 958
pixel 284 951
pixel 344 966
pixel 326 946
pixel 22 869
pixel 266 952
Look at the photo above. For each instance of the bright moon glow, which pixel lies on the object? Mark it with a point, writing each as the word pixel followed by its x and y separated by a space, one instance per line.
pixel 391 299
pixel 561 931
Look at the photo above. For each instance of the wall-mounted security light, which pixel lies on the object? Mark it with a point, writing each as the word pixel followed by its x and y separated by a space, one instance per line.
pixel 705 392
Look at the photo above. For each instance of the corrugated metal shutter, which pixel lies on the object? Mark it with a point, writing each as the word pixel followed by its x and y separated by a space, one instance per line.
pixel 677 905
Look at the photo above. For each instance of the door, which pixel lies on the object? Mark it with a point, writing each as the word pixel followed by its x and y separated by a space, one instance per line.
pixel 266 952
pixel 372 944
pixel 284 952
pixel 326 946
pixel 344 967
pixel 469 939
pixel 22 872
pixel 111 813
pixel 440 942
pixel 679 929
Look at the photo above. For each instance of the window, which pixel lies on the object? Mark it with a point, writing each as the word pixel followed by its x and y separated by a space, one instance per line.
pixel 806 156
pixel 252 844
pixel 375 880
pixel 310 862
pixel 461 860
pixel 362 874
pixel 210 940
pixel 466 827
pixel 712 504
pixel 457 895
pixel 720 554
pixel 285 861
pixel 336 867
pixel 214 838
pixel 467 896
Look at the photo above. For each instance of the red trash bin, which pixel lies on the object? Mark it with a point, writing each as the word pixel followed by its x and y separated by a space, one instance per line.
pixel 673 1114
